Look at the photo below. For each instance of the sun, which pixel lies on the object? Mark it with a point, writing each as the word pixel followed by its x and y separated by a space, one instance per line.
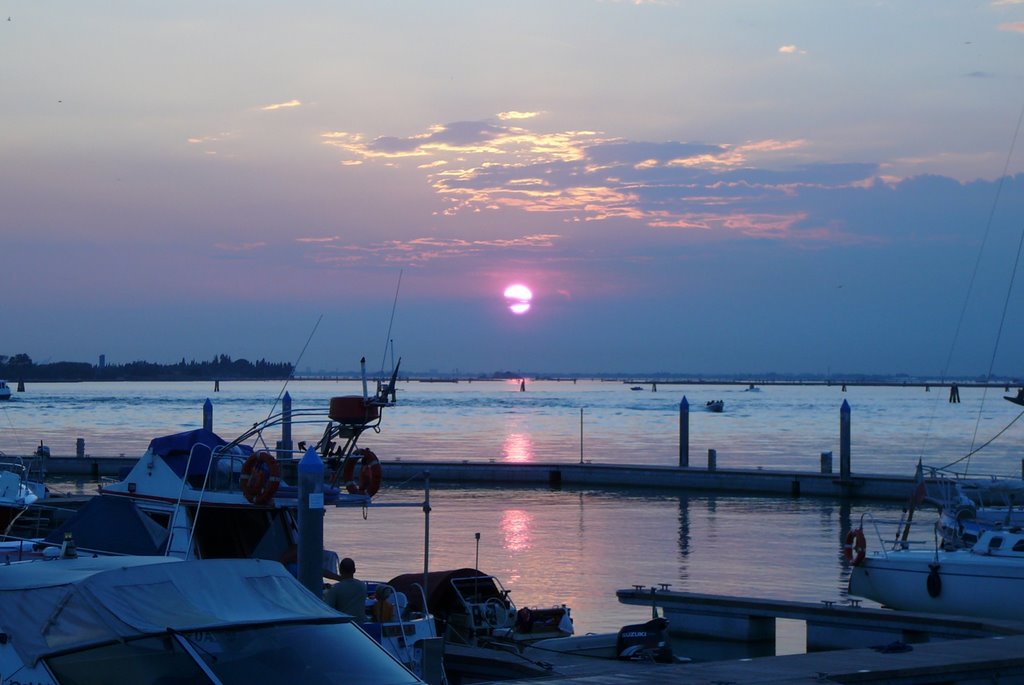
pixel 518 298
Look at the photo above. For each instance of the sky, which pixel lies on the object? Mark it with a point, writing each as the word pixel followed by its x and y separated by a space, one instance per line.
pixel 690 187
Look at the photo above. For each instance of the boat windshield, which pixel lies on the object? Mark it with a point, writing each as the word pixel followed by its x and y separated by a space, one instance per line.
pixel 160 659
pixel 309 653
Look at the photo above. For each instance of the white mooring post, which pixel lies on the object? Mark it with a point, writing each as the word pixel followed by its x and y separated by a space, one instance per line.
pixel 311 522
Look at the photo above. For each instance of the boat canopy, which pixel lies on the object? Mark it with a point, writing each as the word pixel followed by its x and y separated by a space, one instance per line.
pixel 114 525
pixel 200 444
pixel 55 606
pixel 442 596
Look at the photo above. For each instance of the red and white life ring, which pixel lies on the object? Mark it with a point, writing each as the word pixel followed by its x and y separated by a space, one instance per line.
pixel 260 478
pixel 369 477
pixel 855 547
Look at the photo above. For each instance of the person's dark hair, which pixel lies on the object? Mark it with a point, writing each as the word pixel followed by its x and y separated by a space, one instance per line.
pixel 347 567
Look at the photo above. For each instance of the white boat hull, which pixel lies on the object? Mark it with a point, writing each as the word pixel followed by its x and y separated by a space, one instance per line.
pixel 967 584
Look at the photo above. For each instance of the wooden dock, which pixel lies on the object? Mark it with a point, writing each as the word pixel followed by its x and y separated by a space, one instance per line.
pixel 830 625
pixel 572 474
pixel 992 661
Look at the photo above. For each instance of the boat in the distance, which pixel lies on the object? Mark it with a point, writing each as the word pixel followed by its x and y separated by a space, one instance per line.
pixel 101 619
pixel 5 390
pixel 716 406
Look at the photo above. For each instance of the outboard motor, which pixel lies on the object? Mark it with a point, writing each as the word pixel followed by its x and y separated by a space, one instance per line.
pixel 645 641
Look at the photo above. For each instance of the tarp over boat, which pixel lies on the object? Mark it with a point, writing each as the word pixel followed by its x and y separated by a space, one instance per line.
pixel 442 597
pixel 112 525
pixel 66 604
pixel 200 444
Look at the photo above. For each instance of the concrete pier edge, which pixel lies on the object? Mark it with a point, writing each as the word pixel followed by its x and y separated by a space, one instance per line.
pixel 570 474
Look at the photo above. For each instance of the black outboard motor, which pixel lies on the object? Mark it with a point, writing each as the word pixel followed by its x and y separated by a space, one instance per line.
pixel 645 641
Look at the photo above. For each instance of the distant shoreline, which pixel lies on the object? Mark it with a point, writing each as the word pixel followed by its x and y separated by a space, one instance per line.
pixel 645 383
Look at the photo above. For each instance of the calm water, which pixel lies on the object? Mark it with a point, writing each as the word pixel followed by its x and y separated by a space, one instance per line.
pixel 576 546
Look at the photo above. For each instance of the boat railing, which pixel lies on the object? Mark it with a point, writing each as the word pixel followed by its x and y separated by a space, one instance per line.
pixel 897 541
pixel 338 438
pixel 14 465
pixel 951 490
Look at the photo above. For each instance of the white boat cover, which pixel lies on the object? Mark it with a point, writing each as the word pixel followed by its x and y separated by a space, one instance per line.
pixel 51 606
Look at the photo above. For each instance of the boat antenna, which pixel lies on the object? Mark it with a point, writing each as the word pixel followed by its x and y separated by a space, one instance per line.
pixel 295 366
pixel 391 321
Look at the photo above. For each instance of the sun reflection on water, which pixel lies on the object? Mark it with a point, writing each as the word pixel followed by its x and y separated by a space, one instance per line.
pixel 517 447
pixel 516 528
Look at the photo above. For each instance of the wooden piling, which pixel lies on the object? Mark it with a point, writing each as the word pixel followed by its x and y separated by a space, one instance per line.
pixel 684 433
pixel 286 427
pixel 844 441
pixel 208 415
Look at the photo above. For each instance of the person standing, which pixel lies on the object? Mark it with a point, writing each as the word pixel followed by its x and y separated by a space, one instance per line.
pixel 348 595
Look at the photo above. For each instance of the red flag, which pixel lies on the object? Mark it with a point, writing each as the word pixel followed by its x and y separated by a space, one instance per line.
pixel 920 490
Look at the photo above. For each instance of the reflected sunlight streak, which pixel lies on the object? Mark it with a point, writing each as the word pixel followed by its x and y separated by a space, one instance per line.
pixel 515 526
pixel 518 447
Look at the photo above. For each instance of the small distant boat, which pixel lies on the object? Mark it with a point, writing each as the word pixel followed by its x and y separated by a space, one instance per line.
pixel 752 388
pixel 715 405
pixel 5 390
pixel 637 387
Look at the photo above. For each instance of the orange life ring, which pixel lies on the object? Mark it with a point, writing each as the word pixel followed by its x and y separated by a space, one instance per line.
pixel 368 482
pixel 856 546
pixel 261 476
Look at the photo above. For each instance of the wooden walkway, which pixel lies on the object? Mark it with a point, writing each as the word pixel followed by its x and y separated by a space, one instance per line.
pixel 830 625
pixel 998 660
pixel 572 474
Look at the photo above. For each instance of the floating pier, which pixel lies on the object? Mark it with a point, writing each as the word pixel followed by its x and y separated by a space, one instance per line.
pixel 779 483
pixel 830 625
pixel 993 661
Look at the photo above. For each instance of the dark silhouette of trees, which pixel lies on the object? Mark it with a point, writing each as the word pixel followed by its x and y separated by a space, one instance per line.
pixel 20 367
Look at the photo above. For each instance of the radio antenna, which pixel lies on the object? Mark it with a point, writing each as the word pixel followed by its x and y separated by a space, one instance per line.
pixel 387 339
pixel 295 366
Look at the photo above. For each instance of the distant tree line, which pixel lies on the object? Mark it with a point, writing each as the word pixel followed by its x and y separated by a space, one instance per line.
pixel 20 367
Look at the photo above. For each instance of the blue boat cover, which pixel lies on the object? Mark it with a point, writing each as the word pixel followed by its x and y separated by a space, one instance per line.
pixel 200 443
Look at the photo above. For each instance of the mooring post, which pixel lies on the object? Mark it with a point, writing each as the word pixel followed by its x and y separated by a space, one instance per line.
pixel 684 433
pixel 286 426
pixel 844 441
pixel 712 459
pixel 311 521
pixel 208 415
pixel 826 462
